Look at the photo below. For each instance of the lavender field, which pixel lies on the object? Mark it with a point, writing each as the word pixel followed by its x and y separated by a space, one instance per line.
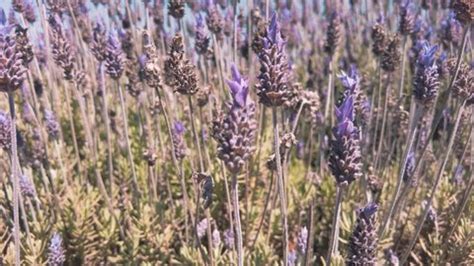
pixel 227 132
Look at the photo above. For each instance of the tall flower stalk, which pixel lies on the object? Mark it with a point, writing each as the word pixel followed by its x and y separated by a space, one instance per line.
pixel 344 162
pixel 114 66
pixel 235 135
pixel 12 75
pixel 272 91
pixel 425 91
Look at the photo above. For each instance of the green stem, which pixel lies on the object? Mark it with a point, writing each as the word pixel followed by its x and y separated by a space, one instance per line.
pixel 281 185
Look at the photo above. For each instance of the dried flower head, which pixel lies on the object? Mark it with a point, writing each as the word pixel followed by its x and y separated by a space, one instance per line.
pixel 214 20
pixel 463 86
pixel 151 62
pixel 425 80
pixel 180 73
pixel 62 51
pixel 378 37
pixel 98 45
pixel 391 54
pixel 464 10
pixel 114 58
pixel 235 132
pixel 176 8
pixel 363 242
pixel 345 156
pixel 407 18
pixel 23 45
pixel 333 33
pixel 272 88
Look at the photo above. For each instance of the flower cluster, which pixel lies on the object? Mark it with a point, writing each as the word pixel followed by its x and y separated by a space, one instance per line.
pixel 179 72
pixel 235 132
pixel 425 80
pixel 363 242
pixel 345 156
pixel 273 79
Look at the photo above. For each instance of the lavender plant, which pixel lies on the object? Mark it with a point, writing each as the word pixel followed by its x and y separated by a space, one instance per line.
pixel 132 90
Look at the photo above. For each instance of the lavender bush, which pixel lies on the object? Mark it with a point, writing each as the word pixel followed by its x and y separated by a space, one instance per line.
pixel 218 132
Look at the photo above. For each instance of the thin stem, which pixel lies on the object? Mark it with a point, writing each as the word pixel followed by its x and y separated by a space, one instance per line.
pixel 328 92
pixel 334 238
pixel 127 140
pixel 310 240
pixel 234 190
pixel 264 212
pixel 386 222
pixel 402 79
pixel 439 115
pixel 228 197
pixel 16 178
pixel 435 187
pixel 384 119
pixel 195 134
pixel 281 185
pixel 105 114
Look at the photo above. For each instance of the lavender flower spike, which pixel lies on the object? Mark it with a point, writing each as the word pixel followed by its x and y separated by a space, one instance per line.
pixel 56 255
pixel 351 84
pixel 363 242
pixel 179 144
pixel 426 78
pixel 114 58
pixel 272 88
pixel 5 128
pixel 235 133
pixel 345 157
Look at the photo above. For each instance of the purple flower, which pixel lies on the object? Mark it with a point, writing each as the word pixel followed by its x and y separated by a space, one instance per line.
pixel 3 17
pixel 450 30
pixel 201 228
pixel 363 242
pixel 26 187
pixel 292 257
pixel 302 241
pixel 179 144
pixel 274 34
pixel 179 128
pixel 229 239
pixel 56 252
pixel 345 156
pixel 114 61
pixel 5 128
pixel 409 167
pixel 426 78
pixel 300 149
pixel 202 40
pixel 239 88
pixel 216 237
pixel 407 17
pixel 52 125
pixel 235 132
